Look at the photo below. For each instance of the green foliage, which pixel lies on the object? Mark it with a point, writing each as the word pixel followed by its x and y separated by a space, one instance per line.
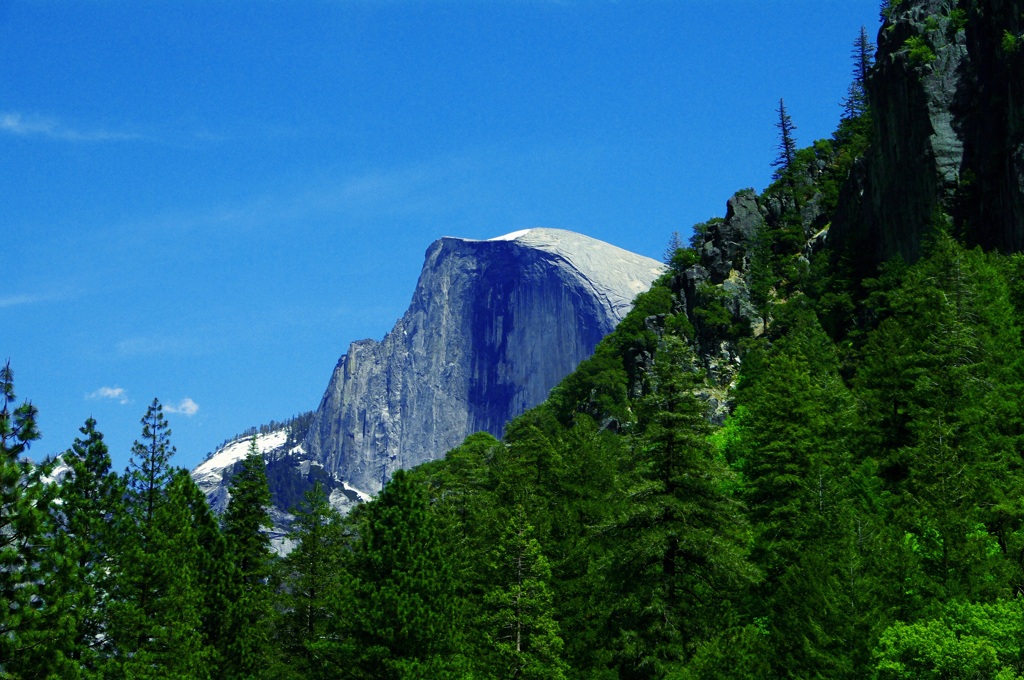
pixel 791 440
pixel 250 594
pixel 683 258
pixel 310 632
pixel 966 641
pixel 518 609
pixel 403 604
pixel 1011 43
pixel 149 470
pixel 958 19
pixel 856 104
pixel 157 617
pixel 919 51
pixel 681 539
pixel 33 617
pixel 937 383
pixel 89 495
pixel 787 148
pixel 163 583
pixel 888 9
pixel 713 316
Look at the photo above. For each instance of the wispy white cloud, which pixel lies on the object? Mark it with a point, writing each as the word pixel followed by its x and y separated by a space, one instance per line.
pixel 116 393
pixel 15 300
pixel 22 125
pixel 185 407
pixel 152 345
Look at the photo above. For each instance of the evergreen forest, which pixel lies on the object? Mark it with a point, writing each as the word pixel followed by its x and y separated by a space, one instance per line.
pixel 814 469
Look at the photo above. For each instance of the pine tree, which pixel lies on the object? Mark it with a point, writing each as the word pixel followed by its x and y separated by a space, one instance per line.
pixel 939 384
pixel 175 617
pixel 34 627
pixel 311 629
pixel 792 448
pixel 213 568
pixel 89 494
pixel 157 608
pixel 149 470
pixel 677 553
pixel 249 548
pixel 675 242
pixel 856 103
pixel 146 480
pixel 518 608
pixel 783 163
pixel 404 615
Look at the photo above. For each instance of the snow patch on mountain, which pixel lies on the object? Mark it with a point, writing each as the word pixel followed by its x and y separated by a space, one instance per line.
pixel 209 475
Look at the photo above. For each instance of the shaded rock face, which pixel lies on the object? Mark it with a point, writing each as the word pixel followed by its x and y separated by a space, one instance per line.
pixel 492 327
pixel 991 123
pixel 948 114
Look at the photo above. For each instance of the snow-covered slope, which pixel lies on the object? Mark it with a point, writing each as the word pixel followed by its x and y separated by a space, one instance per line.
pixel 290 473
pixel 210 475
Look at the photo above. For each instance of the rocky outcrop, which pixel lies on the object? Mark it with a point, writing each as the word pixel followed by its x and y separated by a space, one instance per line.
pixel 492 327
pixel 947 106
pixel 720 281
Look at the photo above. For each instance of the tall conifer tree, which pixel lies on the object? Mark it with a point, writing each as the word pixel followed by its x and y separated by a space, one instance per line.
pixel 34 628
pixel 518 608
pixel 678 550
pixel 856 103
pixel 251 596
pixel 787 143
pixel 90 494
pixel 311 631
pixel 793 450
pixel 157 608
pixel 404 611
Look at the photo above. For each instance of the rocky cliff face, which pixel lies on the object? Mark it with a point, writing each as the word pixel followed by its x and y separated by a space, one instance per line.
pixel 492 327
pixel 948 116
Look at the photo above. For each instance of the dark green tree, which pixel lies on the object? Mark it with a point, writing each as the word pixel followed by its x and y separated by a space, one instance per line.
pixel 792 447
pixel 677 553
pixel 245 523
pixel 90 494
pixel 35 624
pixel 403 615
pixel 787 143
pixel 518 610
pixel 149 469
pixel 214 569
pixel 856 103
pixel 938 385
pixel 157 604
pixel 311 631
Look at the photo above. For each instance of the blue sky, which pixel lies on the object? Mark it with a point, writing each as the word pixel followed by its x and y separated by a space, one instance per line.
pixel 206 202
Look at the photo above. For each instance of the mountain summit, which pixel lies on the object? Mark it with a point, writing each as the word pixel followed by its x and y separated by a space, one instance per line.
pixel 492 327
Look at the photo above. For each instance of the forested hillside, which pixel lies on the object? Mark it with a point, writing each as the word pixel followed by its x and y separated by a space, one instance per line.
pixel 797 457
